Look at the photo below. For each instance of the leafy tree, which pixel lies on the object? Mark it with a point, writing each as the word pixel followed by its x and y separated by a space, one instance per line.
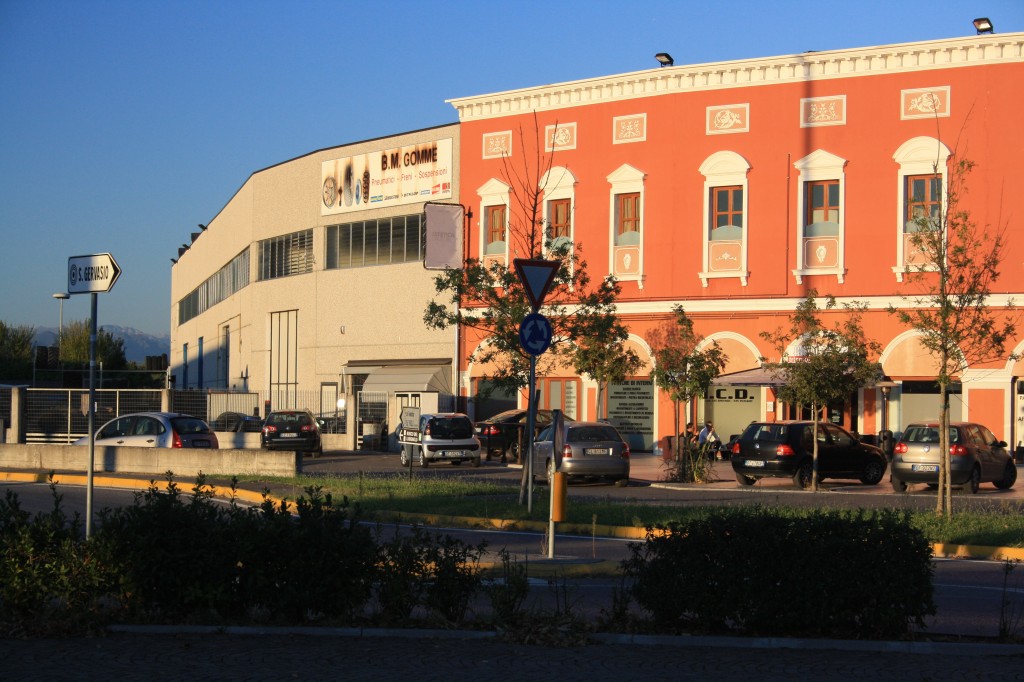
pixel 491 299
pixel 605 359
pixel 75 346
pixel 684 367
pixel 957 262
pixel 16 351
pixel 837 360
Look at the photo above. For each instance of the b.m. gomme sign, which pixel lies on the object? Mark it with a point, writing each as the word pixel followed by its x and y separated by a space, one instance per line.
pixel 389 177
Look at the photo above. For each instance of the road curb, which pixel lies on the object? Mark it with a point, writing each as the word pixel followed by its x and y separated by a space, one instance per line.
pixel 680 641
pixel 583 567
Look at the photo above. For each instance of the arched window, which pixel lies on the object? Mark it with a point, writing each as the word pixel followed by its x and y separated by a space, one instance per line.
pixel 921 192
pixel 821 222
pixel 626 223
pixel 724 237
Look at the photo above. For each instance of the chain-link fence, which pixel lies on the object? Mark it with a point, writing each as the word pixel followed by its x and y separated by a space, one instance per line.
pixel 59 415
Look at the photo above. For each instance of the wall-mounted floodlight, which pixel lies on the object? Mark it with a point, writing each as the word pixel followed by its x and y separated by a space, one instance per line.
pixel 664 58
pixel 983 25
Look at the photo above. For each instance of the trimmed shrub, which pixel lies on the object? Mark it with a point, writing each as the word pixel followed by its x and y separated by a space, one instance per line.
pixel 850 574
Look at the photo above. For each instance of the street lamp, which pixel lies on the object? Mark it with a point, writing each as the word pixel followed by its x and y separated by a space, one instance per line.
pixel 62 296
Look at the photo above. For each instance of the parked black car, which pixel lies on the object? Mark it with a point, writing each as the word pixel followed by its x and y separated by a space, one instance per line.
pixel 501 434
pixel 976 457
pixel 237 422
pixel 294 430
pixel 785 449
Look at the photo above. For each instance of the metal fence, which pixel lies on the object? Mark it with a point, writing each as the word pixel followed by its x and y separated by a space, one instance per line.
pixel 60 415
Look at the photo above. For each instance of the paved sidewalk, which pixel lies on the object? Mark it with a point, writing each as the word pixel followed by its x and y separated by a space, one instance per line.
pixel 414 655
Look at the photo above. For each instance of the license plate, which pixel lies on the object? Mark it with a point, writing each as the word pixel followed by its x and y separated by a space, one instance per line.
pixel 754 463
pixel 928 468
pixel 597 451
pixel 452 453
pixel 201 444
pixel 289 435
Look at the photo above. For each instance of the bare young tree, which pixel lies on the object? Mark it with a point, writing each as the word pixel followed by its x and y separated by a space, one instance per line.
pixel 955 264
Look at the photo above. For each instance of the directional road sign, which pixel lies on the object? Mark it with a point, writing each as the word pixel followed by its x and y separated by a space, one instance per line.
pixel 535 334
pixel 92 274
pixel 536 276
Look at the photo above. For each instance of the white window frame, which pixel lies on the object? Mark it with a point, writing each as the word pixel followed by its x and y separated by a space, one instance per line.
pixel 559 183
pixel 494 192
pixel 917 156
pixel 626 180
pixel 724 169
pixel 818 166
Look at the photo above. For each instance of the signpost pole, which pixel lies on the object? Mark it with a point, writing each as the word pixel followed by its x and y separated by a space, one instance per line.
pixel 530 420
pixel 92 417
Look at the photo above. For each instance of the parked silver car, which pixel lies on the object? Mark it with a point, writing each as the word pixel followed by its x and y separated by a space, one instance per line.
pixel 588 450
pixel 155 430
pixel 446 437
pixel 976 457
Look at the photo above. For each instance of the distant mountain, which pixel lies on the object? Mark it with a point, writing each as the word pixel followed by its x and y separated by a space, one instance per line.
pixel 137 345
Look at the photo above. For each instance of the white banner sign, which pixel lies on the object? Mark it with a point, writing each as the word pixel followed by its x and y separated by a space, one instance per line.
pixel 390 177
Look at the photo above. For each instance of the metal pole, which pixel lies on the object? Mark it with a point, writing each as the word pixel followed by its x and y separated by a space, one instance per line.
pixel 530 420
pixel 92 418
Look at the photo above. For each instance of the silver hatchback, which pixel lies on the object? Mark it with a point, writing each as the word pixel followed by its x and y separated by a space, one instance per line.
pixel 155 430
pixel 976 457
pixel 589 450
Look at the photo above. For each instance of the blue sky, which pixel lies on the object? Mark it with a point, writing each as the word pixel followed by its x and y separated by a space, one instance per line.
pixel 126 123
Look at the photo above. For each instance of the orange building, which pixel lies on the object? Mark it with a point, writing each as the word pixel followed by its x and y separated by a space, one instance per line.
pixel 734 188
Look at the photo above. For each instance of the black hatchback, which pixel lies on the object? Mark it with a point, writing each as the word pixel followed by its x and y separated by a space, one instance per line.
pixel 294 430
pixel 785 449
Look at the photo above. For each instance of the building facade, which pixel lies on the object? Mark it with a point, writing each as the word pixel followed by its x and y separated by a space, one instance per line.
pixel 307 290
pixel 736 188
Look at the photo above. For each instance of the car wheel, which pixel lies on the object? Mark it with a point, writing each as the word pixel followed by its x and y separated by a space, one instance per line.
pixel 898 485
pixel 404 457
pixel 873 472
pixel 745 481
pixel 511 453
pixel 423 459
pixel 550 471
pixel 475 462
pixel 1009 477
pixel 622 482
pixel 802 477
pixel 974 482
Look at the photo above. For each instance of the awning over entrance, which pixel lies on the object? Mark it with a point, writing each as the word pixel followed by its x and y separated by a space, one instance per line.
pixel 758 376
pixel 413 378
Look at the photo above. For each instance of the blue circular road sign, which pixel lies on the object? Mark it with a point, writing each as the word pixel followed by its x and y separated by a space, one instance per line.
pixel 535 333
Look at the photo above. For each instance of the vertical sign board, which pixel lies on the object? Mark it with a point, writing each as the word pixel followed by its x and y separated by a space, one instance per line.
pixel 94 274
pixel 442 231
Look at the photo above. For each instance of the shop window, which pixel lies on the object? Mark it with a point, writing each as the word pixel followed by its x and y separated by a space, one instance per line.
pixel 821 221
pixel 922 180
pixel 724 245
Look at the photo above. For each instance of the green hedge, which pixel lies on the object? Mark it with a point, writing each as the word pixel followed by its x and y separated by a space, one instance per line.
pixel 848 574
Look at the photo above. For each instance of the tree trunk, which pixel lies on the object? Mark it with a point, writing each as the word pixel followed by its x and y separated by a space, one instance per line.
pixel 814 458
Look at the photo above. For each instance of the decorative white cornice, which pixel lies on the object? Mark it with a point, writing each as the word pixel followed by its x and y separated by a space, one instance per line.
pixel 809 66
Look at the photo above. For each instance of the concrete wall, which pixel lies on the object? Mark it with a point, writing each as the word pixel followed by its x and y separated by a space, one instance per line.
pixel 184 463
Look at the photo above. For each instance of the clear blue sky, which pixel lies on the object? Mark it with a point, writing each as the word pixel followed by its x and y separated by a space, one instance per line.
pixel 125 123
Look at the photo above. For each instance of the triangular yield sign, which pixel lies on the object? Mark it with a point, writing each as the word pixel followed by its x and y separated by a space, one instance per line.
pixel 536 276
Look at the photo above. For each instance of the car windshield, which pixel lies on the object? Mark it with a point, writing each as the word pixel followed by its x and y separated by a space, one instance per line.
pixel 918 433
pixel 189 425
pixel 450 427
pixel 293 418
pixel 771 433
pixel 591 434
